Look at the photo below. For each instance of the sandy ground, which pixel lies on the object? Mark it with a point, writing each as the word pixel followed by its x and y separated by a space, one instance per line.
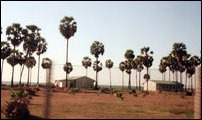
pixel 88 104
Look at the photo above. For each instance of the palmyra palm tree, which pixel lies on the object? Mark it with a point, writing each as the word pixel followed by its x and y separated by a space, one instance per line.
pixel 46 63
pixel 122 68
pixel 15 34
pixel 30 42
pixel 96 49
pixel 67 68
pixel 41 48
pixel 129 63
pixel 109 64
pixel 139 62
pixel 30 63
pixel 179 51
pixel 5 52
pixel 147 61
pixel 97 67
pixel 86 62
pixel 67 28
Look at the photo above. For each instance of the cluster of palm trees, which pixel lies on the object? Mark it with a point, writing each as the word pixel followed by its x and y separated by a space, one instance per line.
pixel 31 41
pixel 179 60
pixel 138 63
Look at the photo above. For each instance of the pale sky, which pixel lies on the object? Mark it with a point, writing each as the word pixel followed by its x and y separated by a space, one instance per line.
pixel 118 25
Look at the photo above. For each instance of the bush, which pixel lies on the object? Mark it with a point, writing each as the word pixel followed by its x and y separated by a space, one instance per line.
pixel 17 107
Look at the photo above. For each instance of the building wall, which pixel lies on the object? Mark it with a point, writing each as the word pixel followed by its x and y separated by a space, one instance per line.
pixel 151 86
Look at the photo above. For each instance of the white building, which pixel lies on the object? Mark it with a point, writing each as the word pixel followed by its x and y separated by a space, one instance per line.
pixel 155 85
pixel 76 82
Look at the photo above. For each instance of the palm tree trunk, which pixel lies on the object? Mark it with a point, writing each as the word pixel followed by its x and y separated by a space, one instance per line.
pixel 180 77
pixel 191 85
pixel 66 80
pixel 38 70
pixel 186 81
pixel 23 67
pixel 176 76
pixel 129 83
pixel 66 60
pixel 136 80
pixel 173 76
pixel 2 70
pixel 147 79
pixel 164 76
pixel 110 78
pixel 139 79
pixel 122 79
pixel 28 77
pixel 96 85
pixel 12 76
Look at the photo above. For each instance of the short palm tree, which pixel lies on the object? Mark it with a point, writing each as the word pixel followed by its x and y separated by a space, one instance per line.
pixel 129 63
pixel 139 63
pixel 46 63
pixel 67 28
pixel 109 64
pixel 41 48
pixel 5 52
pixel 30 63
pixel 96 49
pixel 122 68
pixel 147 62
pixel 86 62
pixel 67 68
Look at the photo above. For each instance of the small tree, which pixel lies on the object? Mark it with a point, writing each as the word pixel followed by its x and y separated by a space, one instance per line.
pixel 122 68
pixel 97 66
pixel 86 62
pixel 139 63
pixel 109 65
pixel 30 63
pixel 67 68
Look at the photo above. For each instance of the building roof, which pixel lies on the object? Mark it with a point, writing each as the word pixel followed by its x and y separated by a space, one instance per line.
pixel 165 82
pixel 75 78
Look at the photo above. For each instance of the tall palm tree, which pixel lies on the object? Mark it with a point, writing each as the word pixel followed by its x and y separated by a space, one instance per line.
pixel 179 51
pixel 97 67
pixel 31 41
pixel 109 64
pixel 5 52
pixel 129 63
pixel 67 68
pixel 30 63
pixel 122 68
pixel 15 34
pixel 41 48
pixel 67 28
pixel 139 63
pixel 96 49
pixel 147 61
pixel 86 62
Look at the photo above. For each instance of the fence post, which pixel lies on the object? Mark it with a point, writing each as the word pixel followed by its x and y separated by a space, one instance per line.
pixel 197 97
